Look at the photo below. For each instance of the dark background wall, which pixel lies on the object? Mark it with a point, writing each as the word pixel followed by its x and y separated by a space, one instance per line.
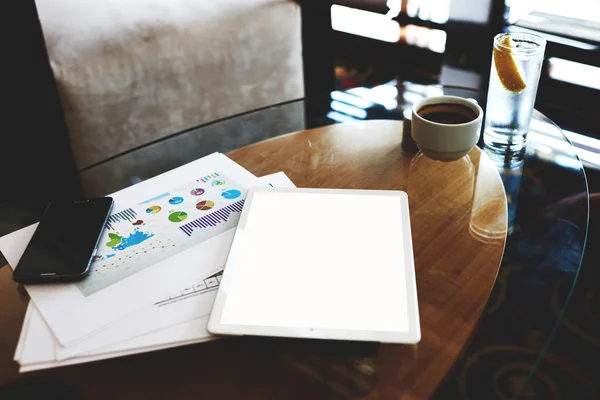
pixel 35 158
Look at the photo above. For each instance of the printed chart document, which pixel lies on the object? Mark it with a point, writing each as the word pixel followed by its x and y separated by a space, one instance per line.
pixel 183 304
pixel 158 231
pixel 156 326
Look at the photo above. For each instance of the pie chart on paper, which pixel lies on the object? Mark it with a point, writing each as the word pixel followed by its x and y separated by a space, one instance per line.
pixel 176 200
pixel 153 209
pixel 177 216
pixel 205 205
pixel 197 192
pixel 231 194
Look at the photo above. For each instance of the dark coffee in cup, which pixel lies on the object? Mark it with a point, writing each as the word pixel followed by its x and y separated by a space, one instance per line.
pixel 446 127
pixel 447 113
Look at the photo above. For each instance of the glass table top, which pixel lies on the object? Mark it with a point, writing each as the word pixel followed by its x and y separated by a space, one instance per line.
pixel 547 200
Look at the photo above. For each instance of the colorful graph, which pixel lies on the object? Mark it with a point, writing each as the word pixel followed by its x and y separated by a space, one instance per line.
pixel 177 216
pixel 149 231
pixel 176 200
pixel 125 215
pixel 208 177
pixel 205 205
pixel 231 194
pixel 115 240
pixel 135 238
pixel 213 219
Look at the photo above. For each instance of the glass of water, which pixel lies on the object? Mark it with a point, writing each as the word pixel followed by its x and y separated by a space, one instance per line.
pixel 516 64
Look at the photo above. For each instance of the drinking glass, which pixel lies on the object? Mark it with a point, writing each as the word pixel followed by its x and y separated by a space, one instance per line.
pixel 516 64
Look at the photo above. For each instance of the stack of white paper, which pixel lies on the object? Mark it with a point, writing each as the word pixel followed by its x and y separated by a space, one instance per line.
pixel 154 278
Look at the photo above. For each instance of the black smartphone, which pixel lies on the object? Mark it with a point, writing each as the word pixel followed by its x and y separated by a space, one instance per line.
pixel 65 241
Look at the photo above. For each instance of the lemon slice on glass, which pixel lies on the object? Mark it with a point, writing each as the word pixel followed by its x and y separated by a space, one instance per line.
pixel 507 68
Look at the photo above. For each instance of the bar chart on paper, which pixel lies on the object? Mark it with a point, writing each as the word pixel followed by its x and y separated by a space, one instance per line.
pixel 125 215
pixel 214 218
pixel 209 177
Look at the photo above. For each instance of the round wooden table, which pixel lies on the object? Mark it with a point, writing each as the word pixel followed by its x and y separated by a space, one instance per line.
pixel 458 219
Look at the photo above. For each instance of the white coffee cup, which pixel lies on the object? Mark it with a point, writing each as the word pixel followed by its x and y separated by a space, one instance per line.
pixel 446 141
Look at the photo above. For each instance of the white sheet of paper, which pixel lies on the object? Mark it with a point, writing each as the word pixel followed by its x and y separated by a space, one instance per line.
pixel 150 318
pixel 39 347
pixel 21 343
pixel 127 348
pixel 86 359
pixel 39 350
pixel 40 343
pixel 158 315
pixel 76 310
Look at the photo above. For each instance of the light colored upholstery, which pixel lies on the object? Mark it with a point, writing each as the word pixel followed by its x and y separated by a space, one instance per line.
pixel 133 71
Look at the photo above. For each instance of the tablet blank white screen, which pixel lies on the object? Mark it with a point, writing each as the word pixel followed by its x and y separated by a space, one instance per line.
pixel 329 261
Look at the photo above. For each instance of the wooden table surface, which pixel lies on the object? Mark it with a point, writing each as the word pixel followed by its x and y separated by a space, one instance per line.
pixel 458 221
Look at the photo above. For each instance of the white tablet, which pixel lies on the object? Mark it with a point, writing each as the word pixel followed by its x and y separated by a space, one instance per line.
pixel 323 264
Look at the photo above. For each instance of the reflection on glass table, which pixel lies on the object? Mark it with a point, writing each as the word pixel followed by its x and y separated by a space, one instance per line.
pixel 548 215
pixel 543 249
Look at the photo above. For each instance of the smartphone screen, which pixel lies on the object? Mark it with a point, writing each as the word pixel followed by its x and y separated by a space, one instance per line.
pixel 64 241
